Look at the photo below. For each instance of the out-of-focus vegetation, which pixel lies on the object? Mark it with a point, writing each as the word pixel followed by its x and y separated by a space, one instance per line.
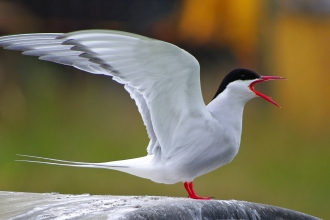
pixel 59 112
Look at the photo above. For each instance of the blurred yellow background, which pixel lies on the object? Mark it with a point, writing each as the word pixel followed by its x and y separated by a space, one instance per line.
pixel 56 111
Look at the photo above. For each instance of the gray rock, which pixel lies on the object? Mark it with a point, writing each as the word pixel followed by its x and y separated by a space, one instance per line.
pixel 39 206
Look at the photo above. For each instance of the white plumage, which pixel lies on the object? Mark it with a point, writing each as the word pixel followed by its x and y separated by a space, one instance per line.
pixel 187 138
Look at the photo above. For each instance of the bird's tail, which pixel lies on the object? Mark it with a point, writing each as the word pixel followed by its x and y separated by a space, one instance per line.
pixel 116 165
pixel 141 166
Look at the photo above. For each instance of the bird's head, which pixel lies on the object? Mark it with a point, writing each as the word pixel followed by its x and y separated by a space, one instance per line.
pixel 242 82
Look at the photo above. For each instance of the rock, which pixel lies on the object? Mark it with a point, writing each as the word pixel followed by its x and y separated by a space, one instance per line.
pixel 44 206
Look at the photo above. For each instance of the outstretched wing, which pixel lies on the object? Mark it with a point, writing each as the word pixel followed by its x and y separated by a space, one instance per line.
pixel 163 79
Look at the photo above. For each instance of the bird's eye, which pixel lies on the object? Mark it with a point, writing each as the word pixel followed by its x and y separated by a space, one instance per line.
pixel 243 76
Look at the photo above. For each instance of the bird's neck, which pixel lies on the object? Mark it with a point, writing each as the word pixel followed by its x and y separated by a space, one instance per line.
pixel 227 108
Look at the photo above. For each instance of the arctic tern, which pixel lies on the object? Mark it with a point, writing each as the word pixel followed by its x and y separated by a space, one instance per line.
pixel 187 138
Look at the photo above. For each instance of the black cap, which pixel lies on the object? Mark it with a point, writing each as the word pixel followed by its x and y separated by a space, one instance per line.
pixel 236 74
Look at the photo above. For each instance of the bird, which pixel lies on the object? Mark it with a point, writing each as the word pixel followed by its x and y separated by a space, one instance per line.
pixel 187 137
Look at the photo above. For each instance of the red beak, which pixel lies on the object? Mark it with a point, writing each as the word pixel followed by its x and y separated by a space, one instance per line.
pixel 263 79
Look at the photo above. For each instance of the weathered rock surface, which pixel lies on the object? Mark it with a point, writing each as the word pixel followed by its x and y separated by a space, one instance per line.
pixel 39 206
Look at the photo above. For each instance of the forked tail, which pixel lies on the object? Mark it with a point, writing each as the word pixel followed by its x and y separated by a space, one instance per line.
pixel 141 166
pixel 45 160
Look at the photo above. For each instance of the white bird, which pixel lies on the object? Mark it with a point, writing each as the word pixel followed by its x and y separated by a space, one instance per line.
pixel 187 138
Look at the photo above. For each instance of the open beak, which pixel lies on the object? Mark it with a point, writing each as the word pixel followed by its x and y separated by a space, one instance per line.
pixel 263 79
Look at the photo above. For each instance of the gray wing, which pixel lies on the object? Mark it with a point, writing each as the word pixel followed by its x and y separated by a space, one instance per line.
pixel 162 78
pixel 145 114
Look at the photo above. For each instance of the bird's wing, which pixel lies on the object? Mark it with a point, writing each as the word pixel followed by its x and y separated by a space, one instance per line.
pixel 145 114
pixel 162 78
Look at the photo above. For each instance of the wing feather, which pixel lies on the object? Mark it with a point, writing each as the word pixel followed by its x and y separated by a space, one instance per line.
pixel 163 79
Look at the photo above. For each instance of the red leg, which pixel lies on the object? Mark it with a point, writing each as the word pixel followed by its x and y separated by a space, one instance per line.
pixel 185 184
pixel 191 194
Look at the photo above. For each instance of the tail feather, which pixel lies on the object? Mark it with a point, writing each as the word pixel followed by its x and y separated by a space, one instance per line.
pixel 142 166
pixel 57 162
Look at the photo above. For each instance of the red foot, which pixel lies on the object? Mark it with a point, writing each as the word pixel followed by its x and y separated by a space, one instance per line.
pixel 191 194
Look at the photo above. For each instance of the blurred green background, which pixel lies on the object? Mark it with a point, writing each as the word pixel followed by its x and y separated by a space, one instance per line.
pixel 56 111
